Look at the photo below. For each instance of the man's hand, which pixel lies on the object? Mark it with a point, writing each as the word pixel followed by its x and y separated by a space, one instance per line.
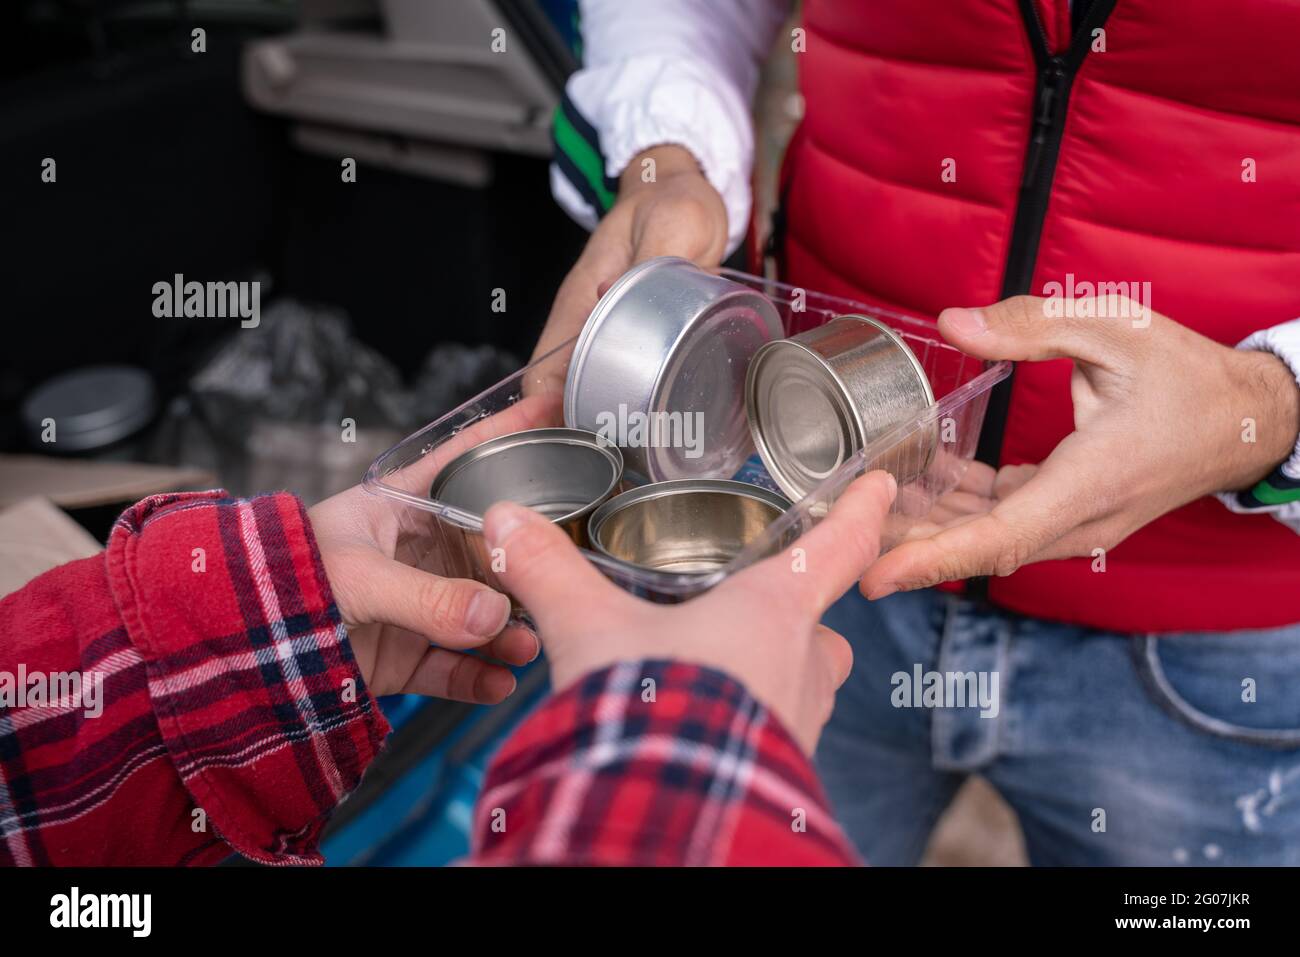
pixel 760 626
pixel 676 214
pixel 1159 416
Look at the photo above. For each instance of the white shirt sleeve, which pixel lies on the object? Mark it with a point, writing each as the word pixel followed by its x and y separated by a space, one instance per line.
pixel 1279 493
pixel 679 72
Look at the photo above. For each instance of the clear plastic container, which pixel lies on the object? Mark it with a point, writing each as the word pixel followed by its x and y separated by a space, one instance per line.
pixel 444 540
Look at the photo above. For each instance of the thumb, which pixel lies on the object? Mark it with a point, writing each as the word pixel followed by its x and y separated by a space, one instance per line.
pixel 1027 328
pixel 542 568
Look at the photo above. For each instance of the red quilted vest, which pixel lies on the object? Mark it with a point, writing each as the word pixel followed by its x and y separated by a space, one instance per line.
pixel 1121 165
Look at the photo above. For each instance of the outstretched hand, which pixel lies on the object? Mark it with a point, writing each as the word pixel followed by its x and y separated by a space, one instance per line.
pixel 1159 413
pixel 761 626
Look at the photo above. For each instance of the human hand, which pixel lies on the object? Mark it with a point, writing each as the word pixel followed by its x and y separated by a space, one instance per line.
pixel 410 630
pixel 677 214
pixel 1158 416
pixel 761 626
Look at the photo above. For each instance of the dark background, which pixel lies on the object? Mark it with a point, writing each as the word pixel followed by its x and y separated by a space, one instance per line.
pixel 162 168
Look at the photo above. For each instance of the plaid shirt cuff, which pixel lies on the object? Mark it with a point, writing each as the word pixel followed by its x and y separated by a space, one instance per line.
pixel 655 763
pixel 259 701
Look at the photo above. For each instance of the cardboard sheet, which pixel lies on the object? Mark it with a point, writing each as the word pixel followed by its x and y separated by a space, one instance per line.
pixel 35 536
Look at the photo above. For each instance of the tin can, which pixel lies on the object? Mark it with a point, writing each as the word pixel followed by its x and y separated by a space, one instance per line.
pixel 562 473
pixel 816 399
pixel 565 474
pixel 659 369
pixel 684 527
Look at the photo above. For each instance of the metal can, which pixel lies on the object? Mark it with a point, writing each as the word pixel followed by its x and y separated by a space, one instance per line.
pixel 659 369
pixel 815 400
pixel 684 527
pixel 565 474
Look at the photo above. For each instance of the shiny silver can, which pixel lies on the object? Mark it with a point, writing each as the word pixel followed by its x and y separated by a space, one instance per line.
pixel 684 527
pixel 659 369
pixel 564 474
pixel 815 399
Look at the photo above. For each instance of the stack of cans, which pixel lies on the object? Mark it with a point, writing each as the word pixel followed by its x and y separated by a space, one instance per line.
pixel 677 376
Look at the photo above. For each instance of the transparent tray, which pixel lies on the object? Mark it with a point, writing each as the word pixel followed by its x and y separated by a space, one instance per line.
pixel 444 540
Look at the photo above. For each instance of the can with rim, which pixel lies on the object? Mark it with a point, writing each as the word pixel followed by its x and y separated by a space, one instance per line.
pixel 659 369
pixel 684 527
pixel 564 474
pixel 816 399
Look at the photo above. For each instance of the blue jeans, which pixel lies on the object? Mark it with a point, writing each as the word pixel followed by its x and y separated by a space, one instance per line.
pixel 1111 748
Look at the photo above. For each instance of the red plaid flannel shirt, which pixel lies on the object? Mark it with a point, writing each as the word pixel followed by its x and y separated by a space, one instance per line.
pixel 234 717
pixel 227 689
pixel 655 763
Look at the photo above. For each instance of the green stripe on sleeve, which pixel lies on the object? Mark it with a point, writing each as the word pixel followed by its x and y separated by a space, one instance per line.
pixel 1268 495
pixel 584 157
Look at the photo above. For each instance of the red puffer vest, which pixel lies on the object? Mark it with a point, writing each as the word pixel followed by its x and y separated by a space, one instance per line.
pixel 1132 163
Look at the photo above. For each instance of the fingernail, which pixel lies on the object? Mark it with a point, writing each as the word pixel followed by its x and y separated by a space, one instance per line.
pixel 502 519
pixel 882 591
pixel 487 614
pixel 966 322
pixel 893 485
pixel 537 649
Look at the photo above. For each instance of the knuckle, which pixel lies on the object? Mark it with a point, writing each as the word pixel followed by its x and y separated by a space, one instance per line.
pixel 521 544
pixel 1010 556
pixel 461 679
pixel 1006 563
pixel 537 546
pixel 1011 477
pixel 1023 311
pixel 445 603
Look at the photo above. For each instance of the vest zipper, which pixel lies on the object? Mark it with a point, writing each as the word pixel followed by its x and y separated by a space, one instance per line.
pixel 1051 97
pixel 1056 74
pixel 1036 185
